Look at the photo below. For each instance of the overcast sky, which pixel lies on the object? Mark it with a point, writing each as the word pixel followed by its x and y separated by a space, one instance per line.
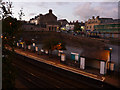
pixel 80 10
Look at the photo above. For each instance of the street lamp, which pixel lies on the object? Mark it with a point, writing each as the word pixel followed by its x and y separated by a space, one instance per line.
pixel 5 37
pixel 1 36
pixel 110 49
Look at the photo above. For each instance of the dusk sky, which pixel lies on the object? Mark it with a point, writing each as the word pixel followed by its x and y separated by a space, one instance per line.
pixel 77 10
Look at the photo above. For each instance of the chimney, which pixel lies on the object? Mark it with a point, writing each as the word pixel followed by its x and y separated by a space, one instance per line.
pixel 50 10
pixel 77 21
pixel 97 17
pixel 73 22
pixel 93 17
pixel 41 15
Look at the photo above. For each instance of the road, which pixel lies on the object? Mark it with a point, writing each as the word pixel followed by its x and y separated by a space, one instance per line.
pixel 35 74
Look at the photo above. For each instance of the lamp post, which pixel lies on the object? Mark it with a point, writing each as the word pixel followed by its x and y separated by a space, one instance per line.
pixel 34 46
pixel 110 49
pixel 1 36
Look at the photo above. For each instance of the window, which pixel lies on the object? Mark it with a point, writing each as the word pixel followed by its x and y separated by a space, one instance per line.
pixel 49 28
pixel 90 26
pixel 52 28
pixel 55 28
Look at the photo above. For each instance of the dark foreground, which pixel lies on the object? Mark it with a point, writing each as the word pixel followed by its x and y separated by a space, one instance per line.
pixel 34 74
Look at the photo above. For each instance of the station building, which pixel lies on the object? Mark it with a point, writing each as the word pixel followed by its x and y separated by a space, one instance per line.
pixel 103 27
pixel 108 30
pixel 47 22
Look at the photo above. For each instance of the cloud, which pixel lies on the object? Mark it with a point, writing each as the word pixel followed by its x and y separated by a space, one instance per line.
pixel 32 14
pixel 60 16
pixel 32 4
pixel 103 9
pixel 42 4
pixel 65 0
pixel 62 3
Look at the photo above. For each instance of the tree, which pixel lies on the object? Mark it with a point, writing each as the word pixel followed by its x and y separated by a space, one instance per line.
pixel 77 27
pixel 53 43
pixel 6 9
pixel 21 14
pixel 10 28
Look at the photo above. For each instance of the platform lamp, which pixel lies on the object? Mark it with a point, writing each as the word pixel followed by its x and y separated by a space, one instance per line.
pixel 110 49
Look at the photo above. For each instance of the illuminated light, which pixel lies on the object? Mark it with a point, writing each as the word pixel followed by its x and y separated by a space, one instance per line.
pixel 42 50
pixel 33 44
pixel 103 78
pixel 59 47
pixel 5 37
pixel 63 28
pixel 57 27
pixel 36 48
pixel 59 44
pixel 10 23
pixel 46 51
pixel 110 48
pixel 82 27
pixel 1 36
pixel 13 36
pixel 17 44
pixel 21 42
pixel 60 51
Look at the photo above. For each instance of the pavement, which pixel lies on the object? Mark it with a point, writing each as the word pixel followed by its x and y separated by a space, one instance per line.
pixel 113 78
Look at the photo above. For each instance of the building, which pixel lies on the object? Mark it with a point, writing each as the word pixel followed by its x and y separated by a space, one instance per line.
pixel 31 27
pixel 109 30
pixel 63 22
pixel 35 20
pixel 89 25
pixel 103 27
pixel 47 22
pixel 115 28
pixel 82 26
pixel 70 26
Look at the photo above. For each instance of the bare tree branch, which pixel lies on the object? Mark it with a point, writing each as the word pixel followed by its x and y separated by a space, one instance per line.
pixel 21 14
